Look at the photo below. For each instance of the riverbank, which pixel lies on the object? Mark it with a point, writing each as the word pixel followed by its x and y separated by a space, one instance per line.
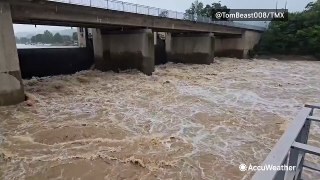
pixel 38 46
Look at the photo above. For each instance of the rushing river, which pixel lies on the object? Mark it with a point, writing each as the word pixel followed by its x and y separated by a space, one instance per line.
pixel 183 122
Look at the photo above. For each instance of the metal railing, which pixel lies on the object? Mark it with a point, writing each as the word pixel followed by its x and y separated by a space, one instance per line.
pixel 291 149
pixel 152 11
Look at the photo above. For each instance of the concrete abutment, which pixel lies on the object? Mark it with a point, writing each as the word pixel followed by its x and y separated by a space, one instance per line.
pixel 120 50
pixel 195 48
pixel 11 86
pixel 237 46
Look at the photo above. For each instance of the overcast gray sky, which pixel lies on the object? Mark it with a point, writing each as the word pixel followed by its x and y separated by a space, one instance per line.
pixel 182 5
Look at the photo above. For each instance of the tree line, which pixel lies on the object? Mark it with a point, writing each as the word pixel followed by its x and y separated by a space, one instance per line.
pixel 49 38
pixel 300 35
pixel 197 9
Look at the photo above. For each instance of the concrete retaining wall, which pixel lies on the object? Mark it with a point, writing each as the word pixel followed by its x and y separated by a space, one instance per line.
pixel 229 47
pixel 236 46
pixel 196 48
pixel 250 38
pixel 133 49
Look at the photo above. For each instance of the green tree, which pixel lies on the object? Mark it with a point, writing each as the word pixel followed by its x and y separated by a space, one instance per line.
pixel 299 35
pixel 164 13
pixel 66 39
pixel 195 10
pixel 207 11
pixel 198 9
pixel 57 38
pixel 47 37
pixel 23 40
pixel 215 7
pixel 37 38
pixel 33 39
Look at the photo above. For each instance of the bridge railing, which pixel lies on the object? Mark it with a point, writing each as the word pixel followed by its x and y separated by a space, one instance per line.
pixel 152 11
pixel 291 149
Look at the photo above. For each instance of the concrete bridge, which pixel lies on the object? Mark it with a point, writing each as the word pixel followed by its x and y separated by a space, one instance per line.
pixel 123 36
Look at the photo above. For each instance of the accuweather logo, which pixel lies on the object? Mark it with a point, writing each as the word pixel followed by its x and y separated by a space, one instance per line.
pixel 243 167
pixel 268 167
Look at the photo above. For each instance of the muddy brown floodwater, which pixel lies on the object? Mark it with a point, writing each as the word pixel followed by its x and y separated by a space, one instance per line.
pixel 184 122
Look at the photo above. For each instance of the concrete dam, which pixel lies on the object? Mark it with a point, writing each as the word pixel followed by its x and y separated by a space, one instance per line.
pixel 120 39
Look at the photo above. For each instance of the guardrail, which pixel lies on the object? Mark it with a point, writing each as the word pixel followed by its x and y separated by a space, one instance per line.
pixel 152 11
pixel 291 148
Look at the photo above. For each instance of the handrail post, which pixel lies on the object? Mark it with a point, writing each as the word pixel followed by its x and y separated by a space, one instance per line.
pixel 282 174
pixel 293 157
pixel 303 138
pixel 297 133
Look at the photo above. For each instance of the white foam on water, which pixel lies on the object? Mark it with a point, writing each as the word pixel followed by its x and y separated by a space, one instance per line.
pixel 184 121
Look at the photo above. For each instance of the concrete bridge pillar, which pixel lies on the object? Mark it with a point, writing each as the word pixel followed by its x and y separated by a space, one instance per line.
pixel 237 46
pixel 81 37
pixel 120 50
pixel 196 48
pixel 11 87
pixel 229 46
pixel 250 39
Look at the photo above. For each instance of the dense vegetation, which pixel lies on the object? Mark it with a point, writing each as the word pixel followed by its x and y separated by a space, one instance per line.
pixel 196 9
pixel 48 38
pixel 300 35
pixel 199 9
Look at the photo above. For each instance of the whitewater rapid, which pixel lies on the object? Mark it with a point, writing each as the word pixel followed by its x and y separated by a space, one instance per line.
pixel 183 122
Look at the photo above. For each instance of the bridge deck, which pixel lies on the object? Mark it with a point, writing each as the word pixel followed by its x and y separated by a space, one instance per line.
pixel 64 14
